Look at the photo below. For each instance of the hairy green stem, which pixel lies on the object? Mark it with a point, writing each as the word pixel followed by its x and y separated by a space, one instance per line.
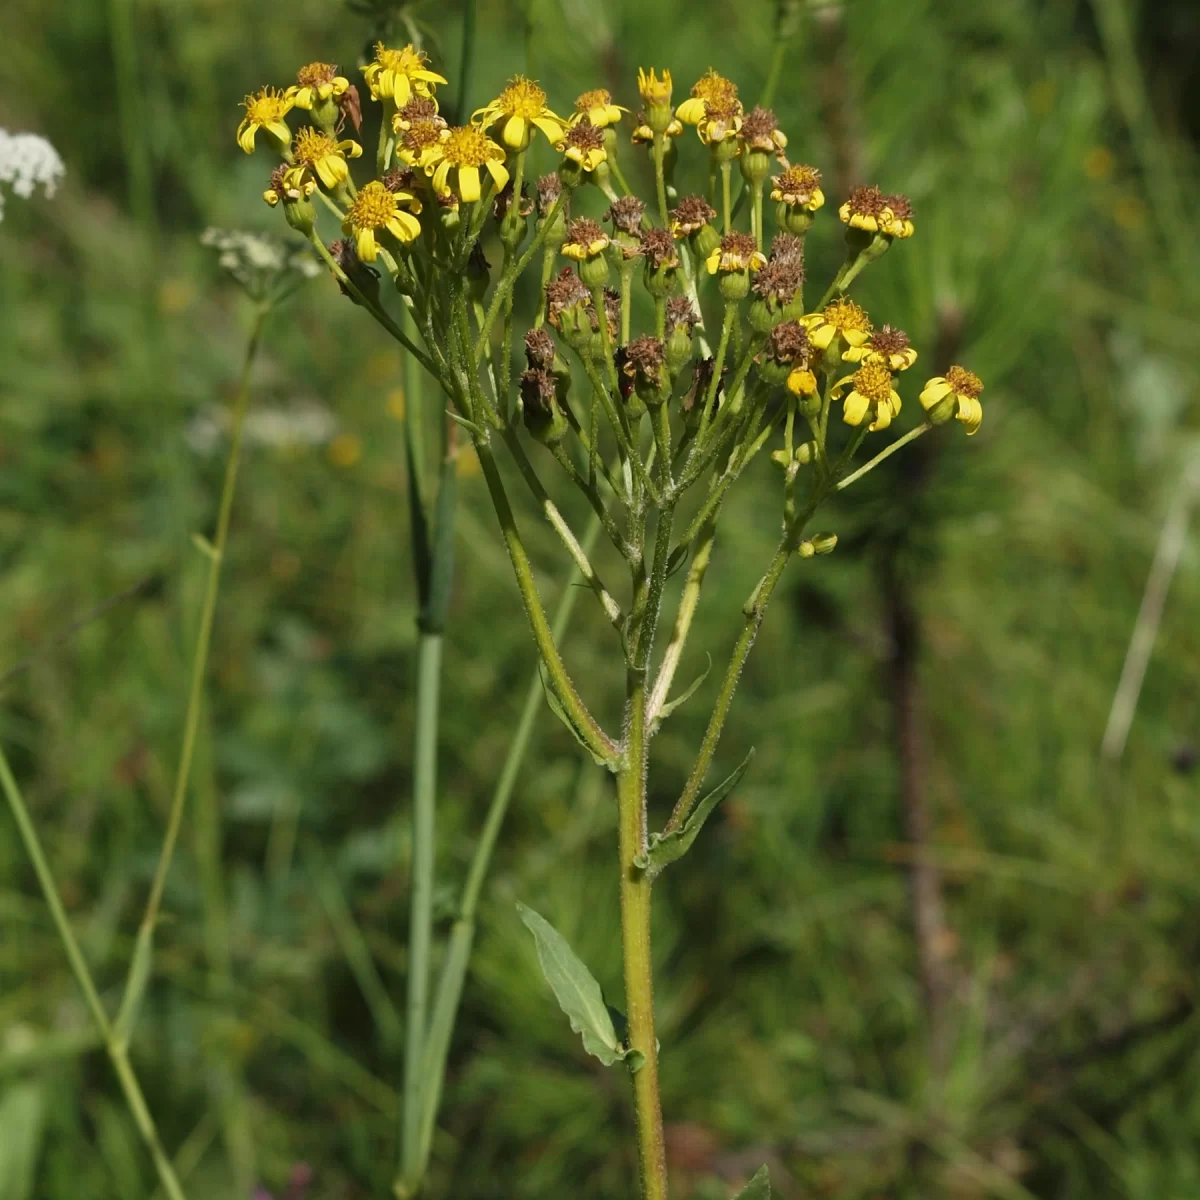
pixel 887 452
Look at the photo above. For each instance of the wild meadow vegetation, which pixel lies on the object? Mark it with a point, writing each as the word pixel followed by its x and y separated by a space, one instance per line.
pixel 937 941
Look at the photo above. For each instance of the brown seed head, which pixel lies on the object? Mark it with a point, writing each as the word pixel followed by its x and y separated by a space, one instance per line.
pixel 737 251
pixel 690 214
pixel 563 292
pixel 398 179
pixel 759 129
pixel 537 390
pixel 644 356
pixel 900 205
pixel 789 342
pixel 585 136
pixel 680 314
pixel 583 231
pixel 421 136
pixel 626 214
pixel 659 247
pixel 787 246
pixel 866 202
pixel 779 280
pixel 797 184
pixel 539 349
pixel 888 341
pixel 549 188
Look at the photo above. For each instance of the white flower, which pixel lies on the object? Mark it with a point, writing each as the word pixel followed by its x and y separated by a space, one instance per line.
pixel 27 160
pixel 261 264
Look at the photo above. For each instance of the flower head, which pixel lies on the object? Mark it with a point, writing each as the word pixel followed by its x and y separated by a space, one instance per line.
pixel 315 82
pixel 798 187
pixel 585 239
pixel 658 247
pixel 872 391
pixel 787 246
pixel 567 300
pixel 540 409
pixel 681 314
pixel 626 213
pixel 420 110
pixel 265 110
pixel 597 105
pixel 955 394
pixel 866 209
pixel 779 280
pixel 374 209
pixel 398 75
pixel 324 156
pixel 418 143
pixel 760 131
pixel 288 189
pixel 709 89
pixel 464 149
pixel 842 319
pixel 900 222
pixel 737 252
pixel 642 364
pixel 539 349
pixel 27 160
pixel 583 144
pixel 690 215
pixel 643 132
pixel 652 89
pixel 887 345
pixel 522 108
pixel 788 343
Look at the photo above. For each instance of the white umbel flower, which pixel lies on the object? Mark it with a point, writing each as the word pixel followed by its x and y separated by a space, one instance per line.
pixel 27 161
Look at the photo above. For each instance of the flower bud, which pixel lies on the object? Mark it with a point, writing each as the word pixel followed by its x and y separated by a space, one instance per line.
pixel 821 543
pixel 643 361
pixel 681 321
pixel 706 240
pixel 794 220
pixel 594 271
pixel 656 96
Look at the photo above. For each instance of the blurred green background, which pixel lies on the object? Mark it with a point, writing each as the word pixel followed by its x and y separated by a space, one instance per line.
pixel 956 658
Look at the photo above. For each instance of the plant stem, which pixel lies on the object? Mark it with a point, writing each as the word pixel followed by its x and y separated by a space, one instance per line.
pixel 466 69
pixel 635 943
pixel 887 452
pixel 462 933
pixel 660 181
pixel 191 722
pixel 126 1077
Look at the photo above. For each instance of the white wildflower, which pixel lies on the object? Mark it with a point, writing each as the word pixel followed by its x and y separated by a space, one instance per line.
pixel 263 265
pixel 26 161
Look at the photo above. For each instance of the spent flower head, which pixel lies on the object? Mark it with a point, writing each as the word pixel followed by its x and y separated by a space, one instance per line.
pixel 887 345
pixel 583 145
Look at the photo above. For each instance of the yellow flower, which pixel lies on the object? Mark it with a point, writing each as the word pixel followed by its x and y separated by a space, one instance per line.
pixel 420 110
pixel 265 110
pixel 398 75
pixel 654 91
pixel 322 155
pixel 888 346
pixel 802 382
pixel 376 208
pixel 955 394
pixel 710 88
pixel 585 239
pixel 873 391
pixel 284 186
pixel 760 131
pixel 465 149
pixel 866 209
pixel 597 105
pixel 522 106
pixel 899 210
pixel 736 252
pixel 841 319
pixel 583 144
pixel 798 187
pixel 419 142
pixel 315 82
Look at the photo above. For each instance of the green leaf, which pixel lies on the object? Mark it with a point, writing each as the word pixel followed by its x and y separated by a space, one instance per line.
pixel 677 558
pixel 561 713
pixel 205 546
pixel 666 848
pixel 575 988
pixel 759 1188
pixel 470 426
pixel 688 692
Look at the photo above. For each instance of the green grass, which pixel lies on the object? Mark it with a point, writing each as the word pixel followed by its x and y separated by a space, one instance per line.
pixel 791 1019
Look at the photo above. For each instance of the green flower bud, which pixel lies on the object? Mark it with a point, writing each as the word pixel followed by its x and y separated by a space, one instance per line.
pixel 706 240
pixel 594 271
pixel 793 219
pixel 734 285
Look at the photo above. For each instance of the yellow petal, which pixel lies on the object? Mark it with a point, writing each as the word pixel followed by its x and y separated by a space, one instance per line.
pixel 499 173
pixel 404 227
pixel 855 408
pixel 365 244
pixel 514 132
pixel 935 390
pixel 713 261
pixel 691 111
pixel 280 130
pixel 401 90
pixel 468 183
pixel 552 129
pixel 245 136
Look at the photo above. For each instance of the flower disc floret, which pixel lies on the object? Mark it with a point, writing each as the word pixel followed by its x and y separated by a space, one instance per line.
pixel 398 75
pixel 710 88
pixel 866 208
pixel 521 108
pixel 464 149
pixel 658 247
pixel 375 209
pixel 872 391
pixel 798 187
pixel 842 319
pixel 690 215
pixel 420 110
pixel 955 394
pixel 324 156
pixel 419 142
pixel 265 110
pixel 315 82
pixel 760 131
pixel 899 210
